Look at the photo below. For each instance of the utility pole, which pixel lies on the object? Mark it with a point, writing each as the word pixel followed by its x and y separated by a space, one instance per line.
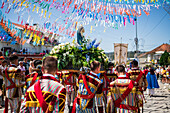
pixel 136 38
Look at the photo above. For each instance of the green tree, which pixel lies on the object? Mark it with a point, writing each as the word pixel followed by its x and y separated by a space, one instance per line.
pixel 169 60
pixel 164 60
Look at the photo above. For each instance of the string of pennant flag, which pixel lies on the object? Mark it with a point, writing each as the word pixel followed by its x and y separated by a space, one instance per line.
pixel 106 13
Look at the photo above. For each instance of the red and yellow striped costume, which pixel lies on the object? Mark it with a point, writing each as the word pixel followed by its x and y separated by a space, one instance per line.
pixel 141 85
pixel 69 81
pixel 13 86
pixel 107 78
pixel 90 98
pixel 54 95
pixel 122 96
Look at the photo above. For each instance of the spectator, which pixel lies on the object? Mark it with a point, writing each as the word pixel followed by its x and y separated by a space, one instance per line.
pixel 26 65
pixel 22 69
pixel 163 74
pixel 152 82
pixel 31 68
pixel 158 72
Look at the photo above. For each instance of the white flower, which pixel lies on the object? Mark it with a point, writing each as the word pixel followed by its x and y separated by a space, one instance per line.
pixel 62 44
pixel 56 51
pixel 98 48
pixel 67 53
pixel 72 45
pixel 64 54
pixel 51 52
pixel 102 52
pixel 56 47
pixel 67 43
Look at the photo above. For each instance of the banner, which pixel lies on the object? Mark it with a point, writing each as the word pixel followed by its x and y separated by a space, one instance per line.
pixel 120 53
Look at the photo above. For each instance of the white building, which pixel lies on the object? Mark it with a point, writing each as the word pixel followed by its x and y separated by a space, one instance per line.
pixel 27 48
pixel 153 56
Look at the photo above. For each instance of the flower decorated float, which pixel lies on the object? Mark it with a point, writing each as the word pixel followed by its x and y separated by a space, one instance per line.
pixel 72 56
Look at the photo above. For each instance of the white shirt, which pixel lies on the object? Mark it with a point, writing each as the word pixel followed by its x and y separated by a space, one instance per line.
pixel 22 69
pixel 157 70
pixel 122 75
pixel 48 75
pixel 2 69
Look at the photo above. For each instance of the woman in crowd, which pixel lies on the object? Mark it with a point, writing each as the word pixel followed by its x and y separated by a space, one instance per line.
pixel 31 68
pixel 152 82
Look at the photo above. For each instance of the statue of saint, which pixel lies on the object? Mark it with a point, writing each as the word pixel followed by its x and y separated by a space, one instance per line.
pixel 80 37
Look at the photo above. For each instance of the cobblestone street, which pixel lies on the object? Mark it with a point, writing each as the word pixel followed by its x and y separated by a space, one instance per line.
pixel 159 103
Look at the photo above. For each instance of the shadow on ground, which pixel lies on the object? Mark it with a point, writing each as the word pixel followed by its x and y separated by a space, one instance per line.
pixel 159 96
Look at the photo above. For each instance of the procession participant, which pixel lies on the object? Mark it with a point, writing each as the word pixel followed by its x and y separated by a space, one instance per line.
pixel 46 95
pixel 38 65
pixel 108 77
pixel 69 81
pixel 90 95
pixel 2 69
pixel 13 85
pixel 122 94
pixel 80 37
pixel 34 76
pixel 137 75
pixel 145 71
pixel 152 82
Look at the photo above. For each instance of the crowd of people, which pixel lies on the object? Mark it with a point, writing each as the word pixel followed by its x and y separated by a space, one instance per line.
pixel 45 88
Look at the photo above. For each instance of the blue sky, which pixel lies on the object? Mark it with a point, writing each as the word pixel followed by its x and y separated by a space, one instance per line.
pixel 153 30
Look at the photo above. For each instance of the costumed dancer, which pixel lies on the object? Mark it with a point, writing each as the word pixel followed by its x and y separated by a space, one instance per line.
pixel 152 82
pixel 46 95
pixel 69 81
pixel 13 86
pixel 137 75
pixel 80 37
pixel 34 76
pixel 108 77
pixel 90 95
pixel 122 94
pixel 145 71
pixel 2 88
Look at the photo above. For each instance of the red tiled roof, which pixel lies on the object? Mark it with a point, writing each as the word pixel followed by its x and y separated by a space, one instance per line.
pixel 162 47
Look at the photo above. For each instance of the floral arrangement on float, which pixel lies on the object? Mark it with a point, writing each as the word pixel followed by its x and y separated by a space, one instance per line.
pixel 74 56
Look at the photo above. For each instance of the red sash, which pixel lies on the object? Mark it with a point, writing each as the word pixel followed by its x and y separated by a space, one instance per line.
pixel 139 77
pixel 128 107
pixel 43 104
pixel 38 93
pixel 124 95
pixel 34 79
pixel 10 80
pixel 50 78
pixel 106 78
pixel 69 83
pixel 83 96
pixel 13 85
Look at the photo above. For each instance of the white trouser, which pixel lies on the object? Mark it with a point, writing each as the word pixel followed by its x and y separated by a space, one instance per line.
pixel 151 91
